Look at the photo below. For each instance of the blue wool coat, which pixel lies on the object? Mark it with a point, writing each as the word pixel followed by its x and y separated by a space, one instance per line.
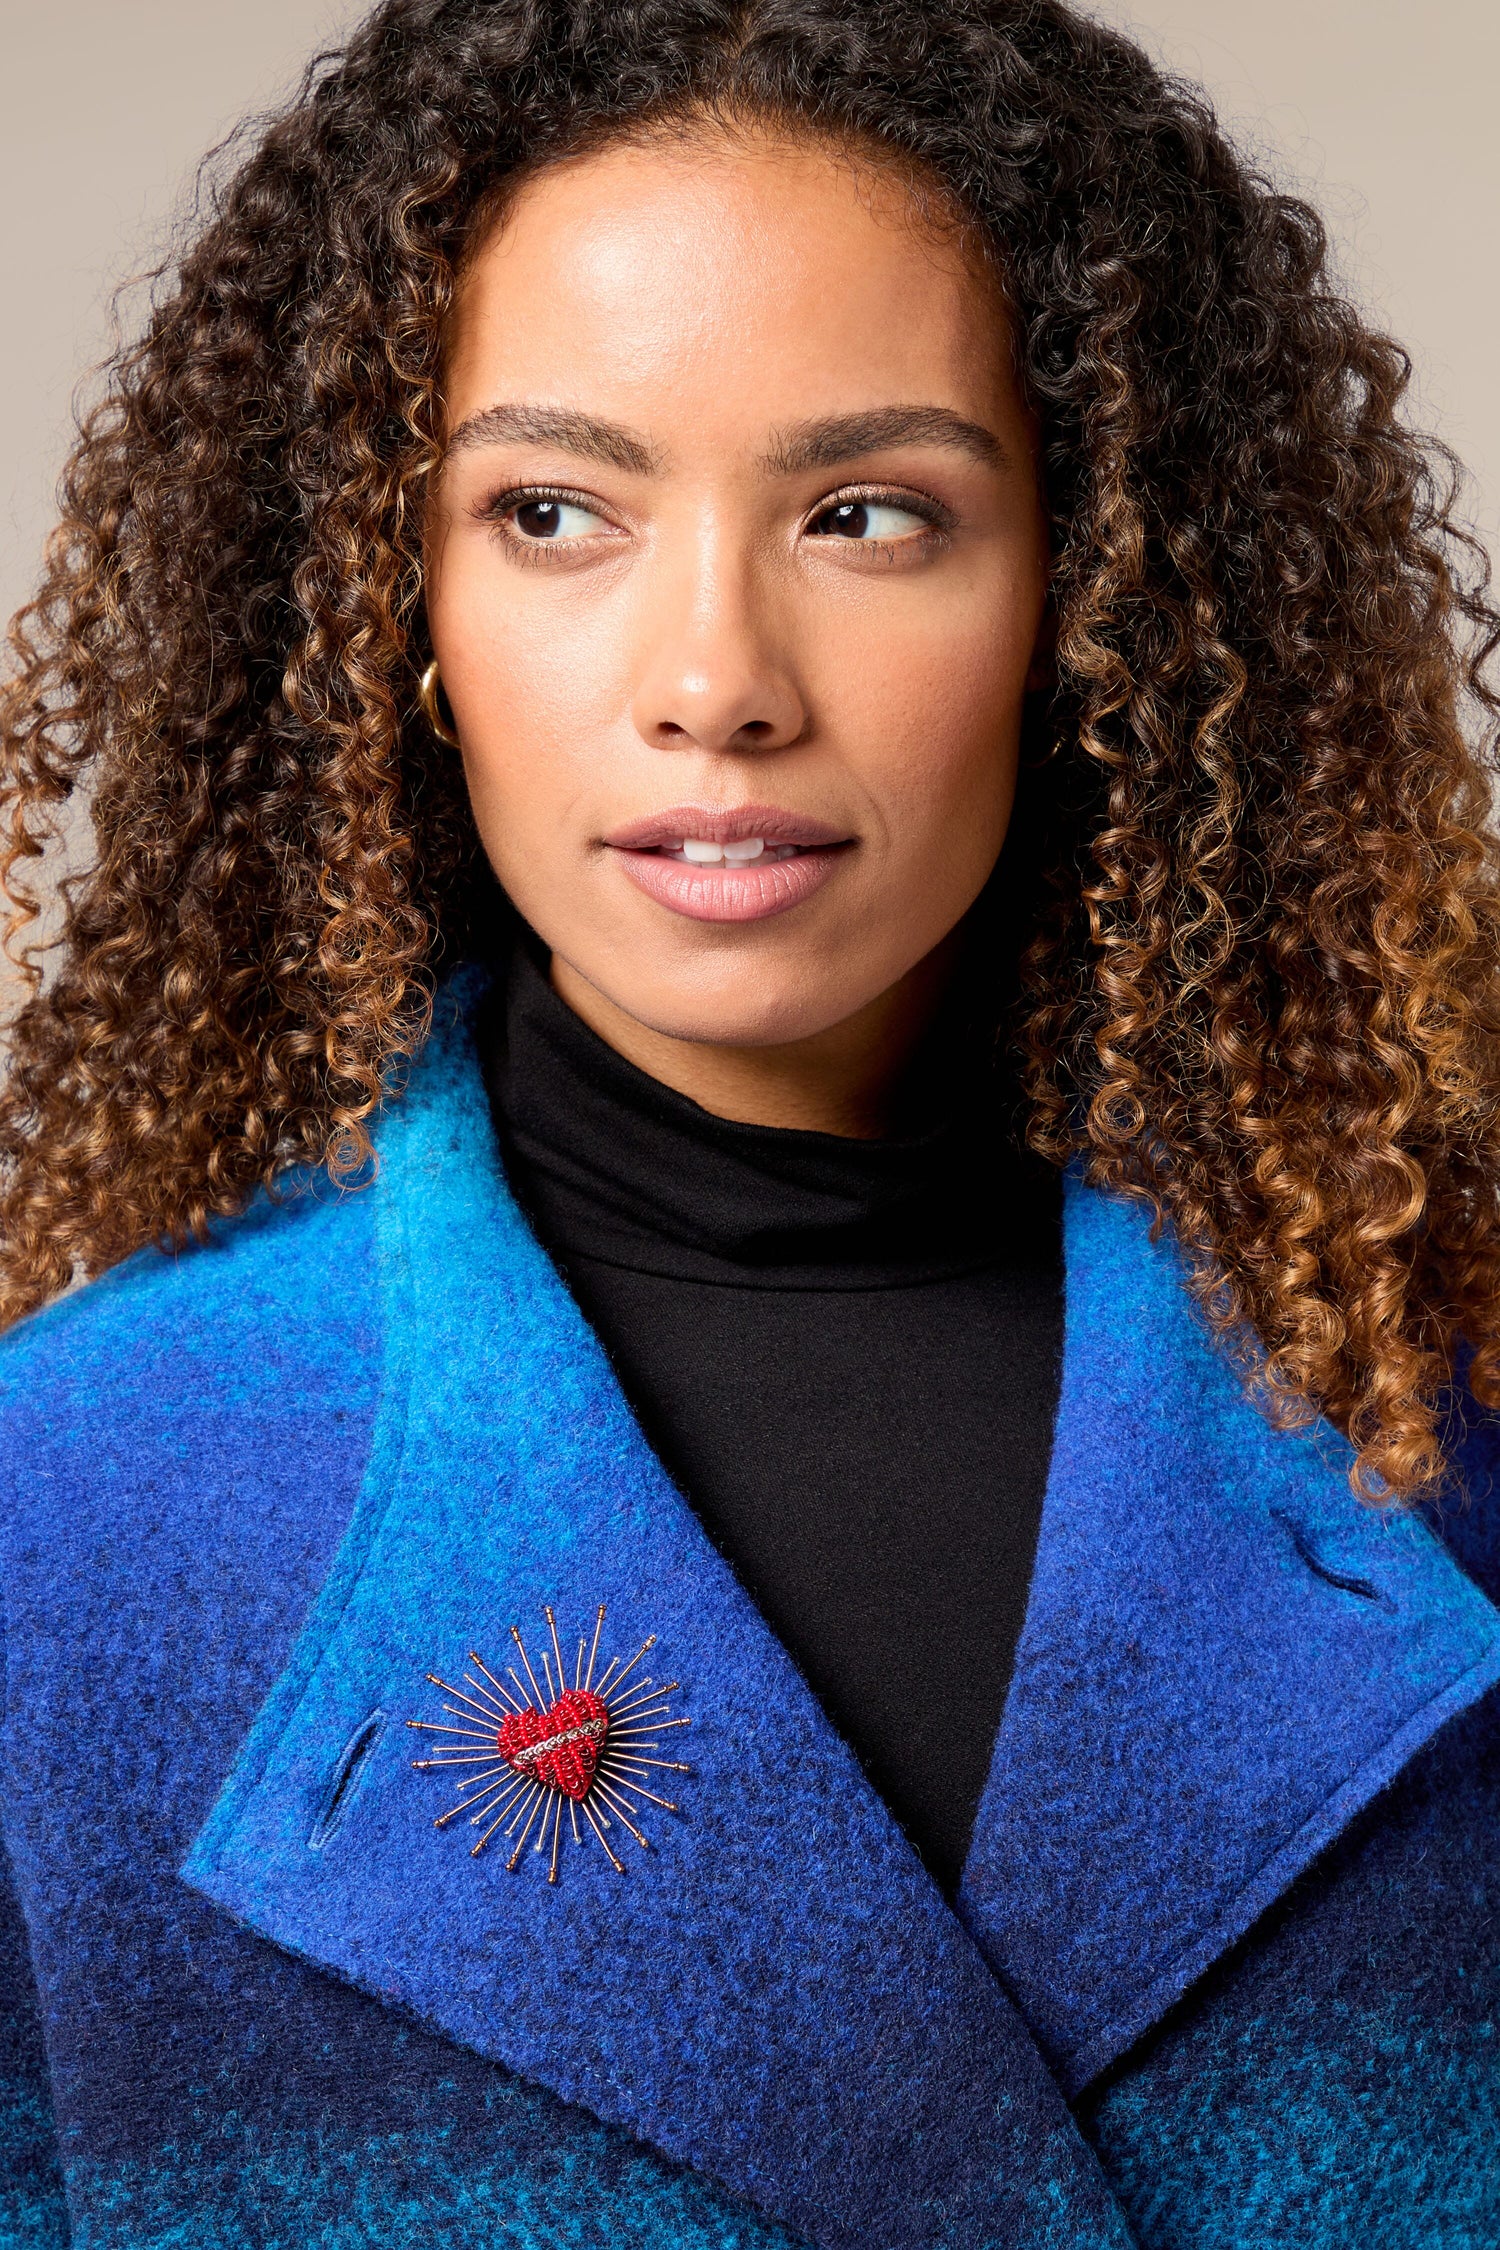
pixel 1224 1967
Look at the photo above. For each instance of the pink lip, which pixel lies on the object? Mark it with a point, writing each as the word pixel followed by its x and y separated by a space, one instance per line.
pixel 747 893
pixel 771 821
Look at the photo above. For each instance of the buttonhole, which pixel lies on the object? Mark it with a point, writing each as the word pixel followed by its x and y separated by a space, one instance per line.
pixel 1345 1581
pixel 344 1780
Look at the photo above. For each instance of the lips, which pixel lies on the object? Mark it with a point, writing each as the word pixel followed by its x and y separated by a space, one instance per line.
pixel 770 822
pixel 737 865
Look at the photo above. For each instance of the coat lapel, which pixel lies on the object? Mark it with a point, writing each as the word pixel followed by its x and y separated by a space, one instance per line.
pixel 1225 1658
pixel 775 1993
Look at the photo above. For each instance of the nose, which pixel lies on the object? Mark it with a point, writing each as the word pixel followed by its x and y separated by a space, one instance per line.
pixel 716 674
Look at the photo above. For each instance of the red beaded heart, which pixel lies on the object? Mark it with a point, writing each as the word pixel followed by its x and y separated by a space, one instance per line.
pixel 523 1758
pixel 559 1746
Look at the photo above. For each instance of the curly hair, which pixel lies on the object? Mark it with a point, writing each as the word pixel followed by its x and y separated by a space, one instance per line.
pixel 1259 987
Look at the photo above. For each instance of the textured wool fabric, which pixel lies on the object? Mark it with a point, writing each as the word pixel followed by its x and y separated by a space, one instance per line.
pixel 743 1998
pixel 251 1495
pixel 1283 1653
pixel 1334 2079
pixel 32 2208
pixel 846 1354
pixel 182 1449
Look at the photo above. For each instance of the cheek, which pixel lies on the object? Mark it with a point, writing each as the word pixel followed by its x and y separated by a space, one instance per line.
pixel 934 717
pixel 539 662
pixel 534 687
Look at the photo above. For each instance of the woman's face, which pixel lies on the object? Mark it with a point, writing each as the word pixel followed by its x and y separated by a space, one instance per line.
pixel 737 565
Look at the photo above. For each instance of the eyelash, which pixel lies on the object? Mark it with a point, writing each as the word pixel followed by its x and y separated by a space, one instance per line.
pixel 494 513
pixel 939 519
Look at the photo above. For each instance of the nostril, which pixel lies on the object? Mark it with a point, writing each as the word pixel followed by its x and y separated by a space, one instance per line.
pixel 344 1780
pixel 1346 1581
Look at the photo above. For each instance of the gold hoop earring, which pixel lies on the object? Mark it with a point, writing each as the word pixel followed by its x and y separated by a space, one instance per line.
pixel 427 695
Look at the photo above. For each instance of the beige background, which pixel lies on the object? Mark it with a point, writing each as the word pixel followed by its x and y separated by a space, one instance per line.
pixel 1384 109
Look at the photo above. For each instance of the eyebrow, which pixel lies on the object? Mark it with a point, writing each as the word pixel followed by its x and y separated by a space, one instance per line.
pixel 821 444
pixel 562 426
pixel 844 437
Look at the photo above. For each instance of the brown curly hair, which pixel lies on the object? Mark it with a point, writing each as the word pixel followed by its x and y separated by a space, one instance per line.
pixel 1260 989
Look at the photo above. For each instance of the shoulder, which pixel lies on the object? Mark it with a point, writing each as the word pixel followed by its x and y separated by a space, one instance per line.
pixel 160 1357
pixel 268 1334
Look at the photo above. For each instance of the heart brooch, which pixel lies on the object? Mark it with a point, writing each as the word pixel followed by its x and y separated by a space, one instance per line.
pixel 532 1753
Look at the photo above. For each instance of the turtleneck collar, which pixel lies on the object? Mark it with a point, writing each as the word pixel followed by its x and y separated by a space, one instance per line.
pixel 615 1166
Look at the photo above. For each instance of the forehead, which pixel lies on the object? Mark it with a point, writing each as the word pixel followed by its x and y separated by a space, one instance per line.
pixel 741 271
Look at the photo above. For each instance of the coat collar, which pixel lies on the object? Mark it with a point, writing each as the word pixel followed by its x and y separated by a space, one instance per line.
pixel 1225 1658
pixel 777 1994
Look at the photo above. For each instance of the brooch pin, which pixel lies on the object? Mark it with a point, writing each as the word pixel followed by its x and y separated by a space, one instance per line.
pixel 583 1748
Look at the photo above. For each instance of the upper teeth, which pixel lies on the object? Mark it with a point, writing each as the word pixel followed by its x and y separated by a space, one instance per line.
pixel 703 853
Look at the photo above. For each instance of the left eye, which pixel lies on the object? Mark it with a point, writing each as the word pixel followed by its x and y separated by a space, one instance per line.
pixel 867 519
pixel 546 520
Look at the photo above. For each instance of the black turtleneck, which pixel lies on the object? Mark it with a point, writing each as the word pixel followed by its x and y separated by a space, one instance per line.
pixel 845 1352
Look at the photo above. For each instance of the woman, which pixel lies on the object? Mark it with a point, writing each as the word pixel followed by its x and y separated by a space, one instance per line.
pixel 873 526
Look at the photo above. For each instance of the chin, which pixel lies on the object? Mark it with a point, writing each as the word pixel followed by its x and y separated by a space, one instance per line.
pixel 744 1020
pixel 750 1007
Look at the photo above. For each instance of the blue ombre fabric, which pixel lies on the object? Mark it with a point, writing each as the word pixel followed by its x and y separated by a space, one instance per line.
pixel 1224 1969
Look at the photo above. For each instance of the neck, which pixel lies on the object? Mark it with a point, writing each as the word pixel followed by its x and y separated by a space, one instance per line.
pixel 842 1080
